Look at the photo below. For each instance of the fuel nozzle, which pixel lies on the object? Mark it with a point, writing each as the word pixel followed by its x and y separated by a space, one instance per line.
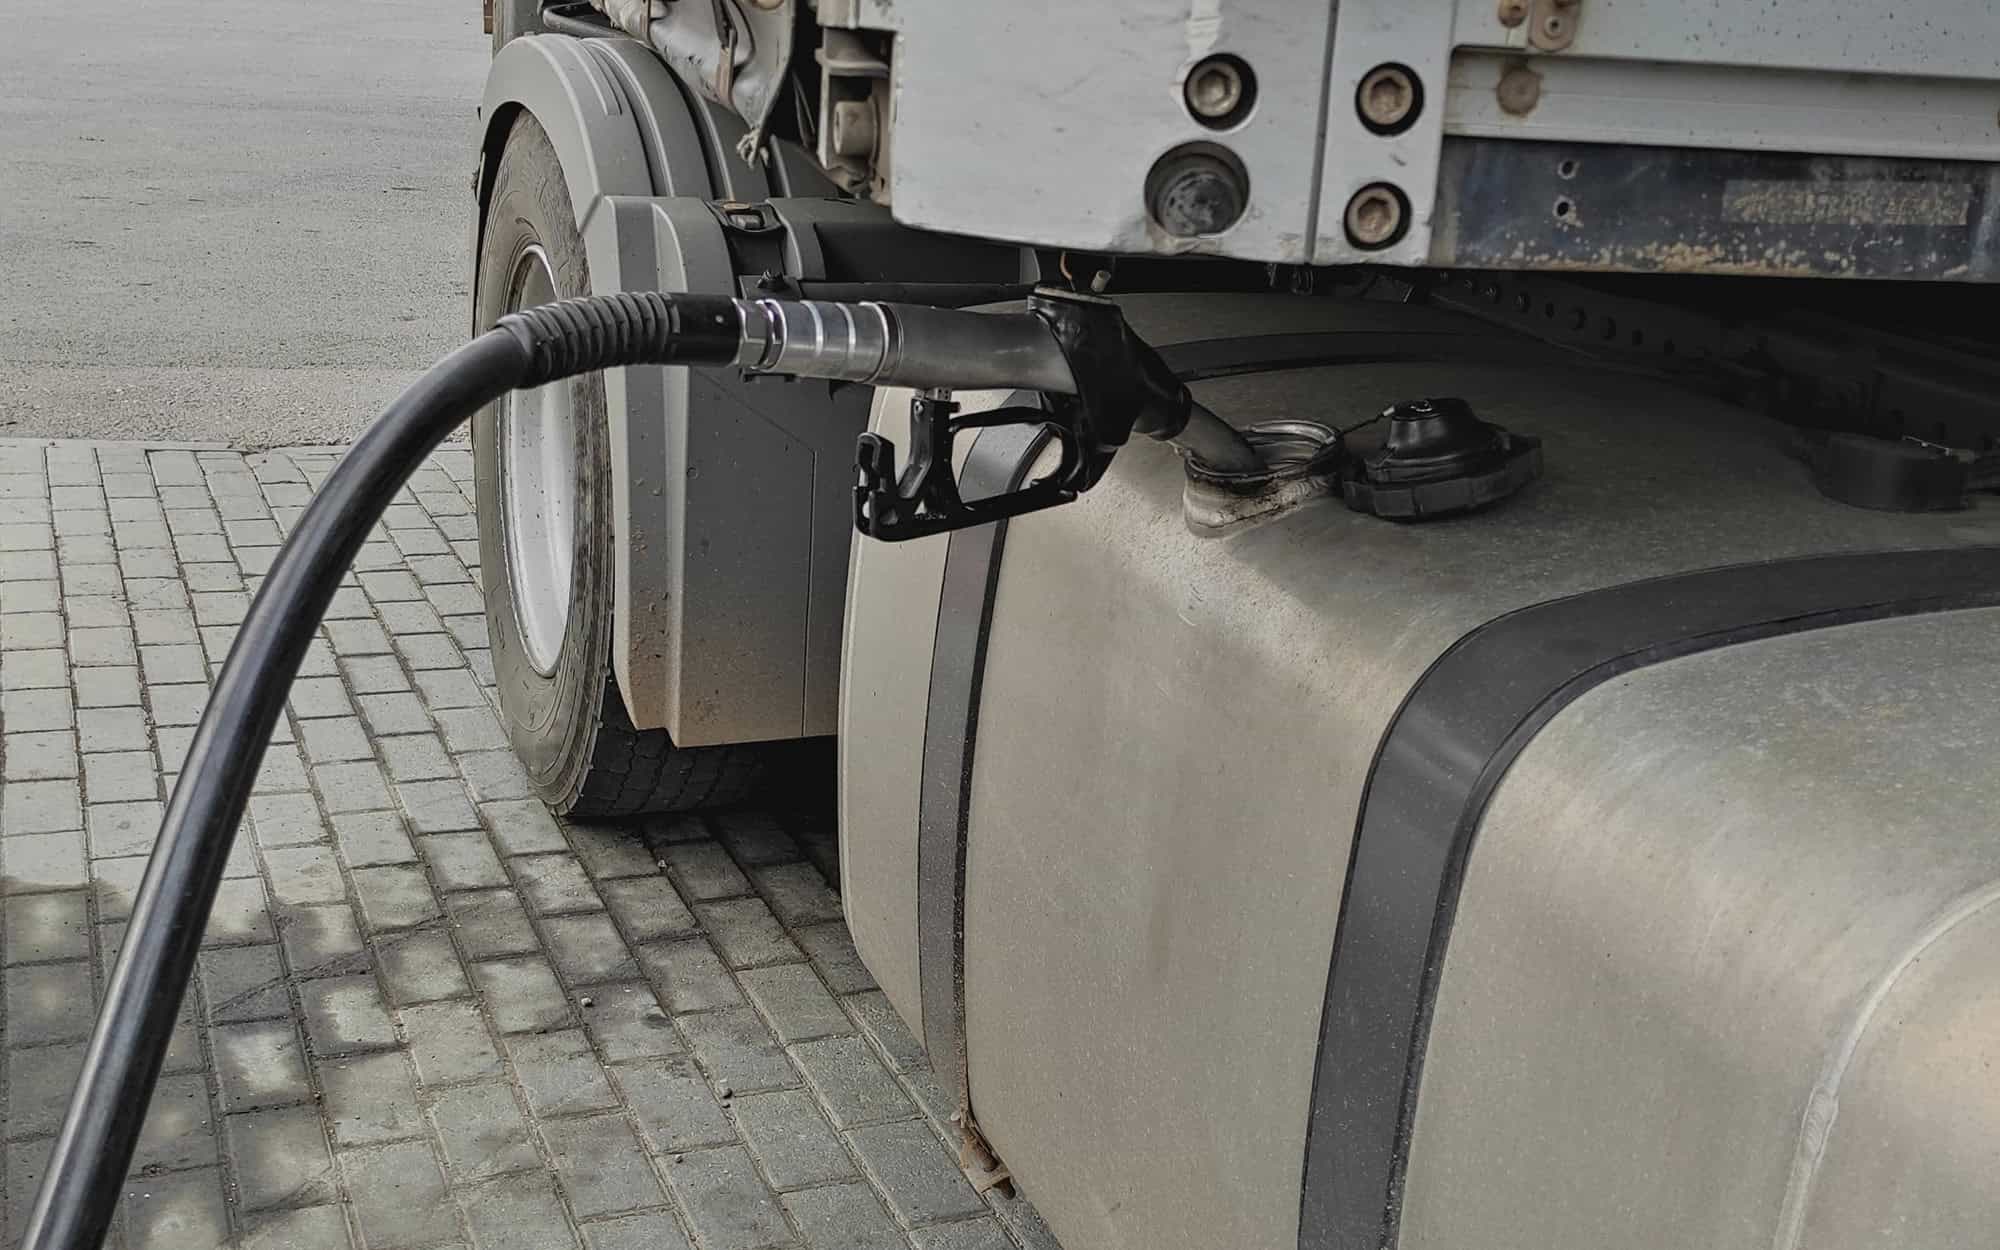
pixel 1087 381
pixel 1118 385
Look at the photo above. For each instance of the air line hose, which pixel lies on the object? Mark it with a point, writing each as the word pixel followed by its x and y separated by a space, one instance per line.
pixel 81 1185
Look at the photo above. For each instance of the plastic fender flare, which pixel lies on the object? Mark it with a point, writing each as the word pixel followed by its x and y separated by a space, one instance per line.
pixel 626 137
pixel 570 90
pixel 619 123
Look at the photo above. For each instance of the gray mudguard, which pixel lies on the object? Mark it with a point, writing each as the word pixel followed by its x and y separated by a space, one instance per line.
pixel 729 496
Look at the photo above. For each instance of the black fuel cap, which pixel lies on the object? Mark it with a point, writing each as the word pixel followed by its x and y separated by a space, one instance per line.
pixel 1439 458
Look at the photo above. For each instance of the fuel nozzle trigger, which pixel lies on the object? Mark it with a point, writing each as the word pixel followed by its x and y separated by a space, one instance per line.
pixel 1120 385
pixel 924 498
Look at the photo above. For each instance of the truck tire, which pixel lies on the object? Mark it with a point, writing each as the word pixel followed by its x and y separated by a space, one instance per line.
pixel 543 473
pixel 514 18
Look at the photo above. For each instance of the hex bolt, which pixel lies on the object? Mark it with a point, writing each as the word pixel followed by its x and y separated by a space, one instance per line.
pixel 1388 98
pixel 853 128
pixel 1219 91
pixel 1197 189
pixel 1375 216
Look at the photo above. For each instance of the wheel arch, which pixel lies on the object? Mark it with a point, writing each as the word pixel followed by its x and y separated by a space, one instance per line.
pixel 619 123
pixel 730 497
pixel 634 164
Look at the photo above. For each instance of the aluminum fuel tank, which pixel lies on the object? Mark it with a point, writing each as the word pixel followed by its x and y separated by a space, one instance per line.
pixel 1606 867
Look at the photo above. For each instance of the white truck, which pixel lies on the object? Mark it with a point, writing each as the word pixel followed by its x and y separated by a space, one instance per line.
pixel 1520 773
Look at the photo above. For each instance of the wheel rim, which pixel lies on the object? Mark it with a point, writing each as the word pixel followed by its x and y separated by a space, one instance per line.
pixel 537 444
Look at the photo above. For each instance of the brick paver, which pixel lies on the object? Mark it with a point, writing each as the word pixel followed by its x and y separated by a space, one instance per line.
pixel 427 1013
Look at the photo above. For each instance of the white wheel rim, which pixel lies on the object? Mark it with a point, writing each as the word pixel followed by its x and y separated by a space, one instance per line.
pixel 537 444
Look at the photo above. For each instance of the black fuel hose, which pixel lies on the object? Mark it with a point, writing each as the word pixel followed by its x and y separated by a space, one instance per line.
pixel 82 1183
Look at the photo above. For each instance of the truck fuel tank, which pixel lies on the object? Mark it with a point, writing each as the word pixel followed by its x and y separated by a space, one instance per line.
pixel 1605 866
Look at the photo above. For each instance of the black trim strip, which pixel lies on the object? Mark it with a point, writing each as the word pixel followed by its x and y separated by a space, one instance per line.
pixel 1450 743
pixel 999 459
pixel 1269 353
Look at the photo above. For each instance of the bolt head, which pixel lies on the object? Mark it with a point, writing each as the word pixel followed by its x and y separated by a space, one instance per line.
pixel 1513 12
pixel 1374 216
pixel 1214 89
pixel 1387 96
pixel 853 128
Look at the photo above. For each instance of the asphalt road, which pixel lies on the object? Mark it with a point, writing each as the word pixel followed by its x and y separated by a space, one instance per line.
pixel 229 221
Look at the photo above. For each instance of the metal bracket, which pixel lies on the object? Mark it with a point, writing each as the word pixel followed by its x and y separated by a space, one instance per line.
pixel 754 219
pixel 1552 24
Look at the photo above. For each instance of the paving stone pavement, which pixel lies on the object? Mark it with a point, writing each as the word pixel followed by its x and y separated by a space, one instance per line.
pixel 427 1013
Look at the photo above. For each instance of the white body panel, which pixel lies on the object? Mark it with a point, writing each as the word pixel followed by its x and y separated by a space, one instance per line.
pixel 1037 123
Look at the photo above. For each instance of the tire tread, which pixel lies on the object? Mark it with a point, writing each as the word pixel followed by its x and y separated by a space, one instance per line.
pixel 635 771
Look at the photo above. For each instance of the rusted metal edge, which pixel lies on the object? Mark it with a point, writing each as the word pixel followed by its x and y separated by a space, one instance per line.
pixel 1526 205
